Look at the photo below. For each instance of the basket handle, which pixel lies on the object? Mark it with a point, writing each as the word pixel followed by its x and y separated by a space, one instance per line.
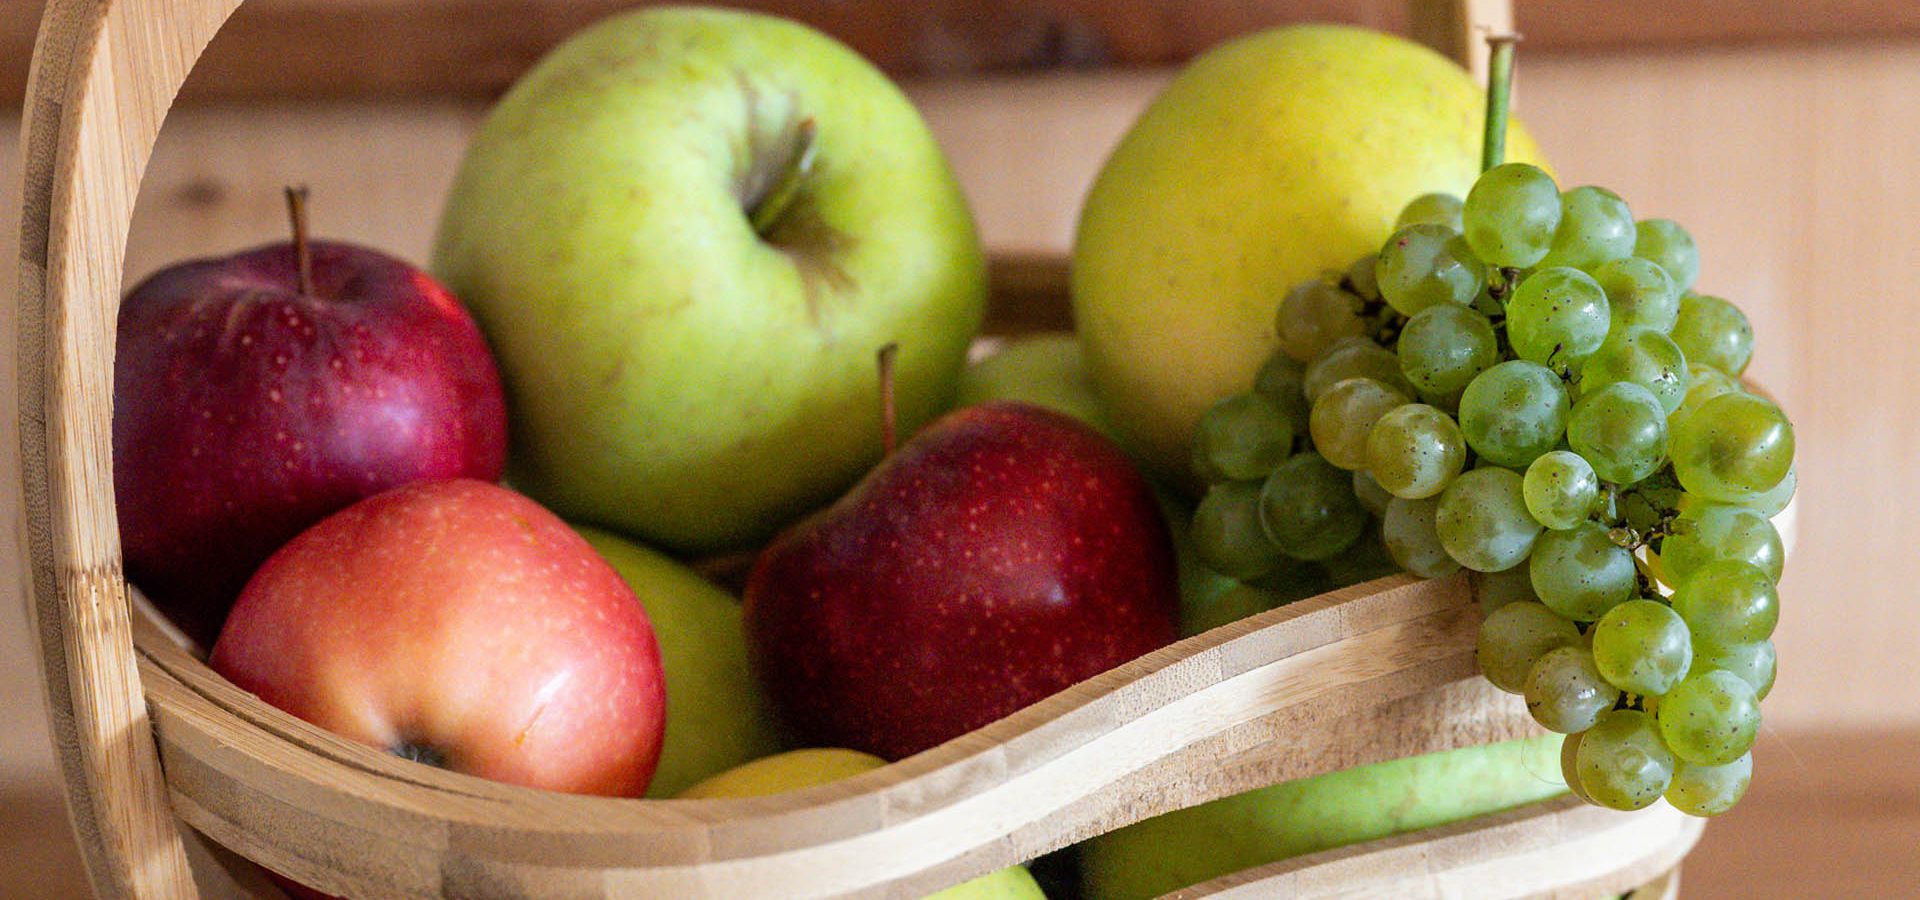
pixel 104 73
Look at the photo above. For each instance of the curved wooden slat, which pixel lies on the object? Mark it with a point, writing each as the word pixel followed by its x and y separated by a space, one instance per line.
pixel 1559 848
pixel 1378 671
pixel 103 75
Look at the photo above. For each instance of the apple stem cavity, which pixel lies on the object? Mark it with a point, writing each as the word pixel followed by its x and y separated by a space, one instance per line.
pixel 889 436
pixel 766 213
pixel 302 253
pixel 1493 149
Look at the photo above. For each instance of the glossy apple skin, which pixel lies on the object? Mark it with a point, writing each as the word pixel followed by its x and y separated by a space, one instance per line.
pixel 1004 553
pixel 245 411
pixel 461 621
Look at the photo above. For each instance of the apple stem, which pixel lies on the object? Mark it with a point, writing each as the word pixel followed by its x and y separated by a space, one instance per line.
pixel 889 436
pixel 768 211
pixel 302 253
pixel 1493 149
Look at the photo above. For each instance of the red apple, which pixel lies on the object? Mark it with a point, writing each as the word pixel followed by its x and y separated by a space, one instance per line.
pixel 463 625
pixel 249 405
pixel 1004 553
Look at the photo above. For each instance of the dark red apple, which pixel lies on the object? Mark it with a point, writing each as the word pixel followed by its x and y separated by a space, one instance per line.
pixel 460 624
pixel 1004 553
pixel 249 403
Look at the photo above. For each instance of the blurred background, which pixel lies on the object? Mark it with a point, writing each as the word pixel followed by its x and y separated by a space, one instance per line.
pixel 1780 132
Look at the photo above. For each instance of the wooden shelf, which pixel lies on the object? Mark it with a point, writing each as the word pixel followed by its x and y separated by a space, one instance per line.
pixel 387 48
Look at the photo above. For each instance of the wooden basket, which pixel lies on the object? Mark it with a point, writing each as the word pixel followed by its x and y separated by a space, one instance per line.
pixel 150 738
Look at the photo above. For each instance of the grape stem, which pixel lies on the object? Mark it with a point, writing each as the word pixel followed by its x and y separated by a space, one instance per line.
pixel 1493 149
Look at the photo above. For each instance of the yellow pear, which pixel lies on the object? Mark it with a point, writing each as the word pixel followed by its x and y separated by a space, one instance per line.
pixel 1269 160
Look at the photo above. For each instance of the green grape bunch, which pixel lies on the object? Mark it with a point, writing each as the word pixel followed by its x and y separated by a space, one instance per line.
pixel 1523 383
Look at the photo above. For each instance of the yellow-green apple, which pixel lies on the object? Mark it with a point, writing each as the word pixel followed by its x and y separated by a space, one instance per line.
pixel 1042 369
pixel 1186 847
pixel 250 402
pixel 686 231
pixel 1269 160
pixel 459 624
pixel 1004 553
pixel 798 769
pixel 716 716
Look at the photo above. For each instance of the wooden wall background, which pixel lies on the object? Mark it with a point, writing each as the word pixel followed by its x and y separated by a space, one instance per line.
pixel 1793 165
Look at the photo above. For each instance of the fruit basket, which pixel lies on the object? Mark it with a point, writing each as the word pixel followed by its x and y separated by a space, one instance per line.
pixel 151 739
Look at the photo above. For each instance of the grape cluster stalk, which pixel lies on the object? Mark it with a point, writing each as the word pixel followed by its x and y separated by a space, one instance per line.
pixel 1523 383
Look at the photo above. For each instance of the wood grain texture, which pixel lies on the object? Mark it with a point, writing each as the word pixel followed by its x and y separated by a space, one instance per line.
pixel 102 77
pixel 1378 671
pixel 1560 848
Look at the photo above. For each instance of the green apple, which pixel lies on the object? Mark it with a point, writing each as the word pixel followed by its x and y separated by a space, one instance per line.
pixel 1042 369
pixel 716 716
pixel 797 769
pixel 1269 160
pixel 1192 845
pixel 686 233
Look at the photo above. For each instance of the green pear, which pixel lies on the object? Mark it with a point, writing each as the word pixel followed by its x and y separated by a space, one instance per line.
pixel 1200 843
pixel 1270 160
pixel 716 716
pixel 686 232
pixel 1042 369
pixel 798 769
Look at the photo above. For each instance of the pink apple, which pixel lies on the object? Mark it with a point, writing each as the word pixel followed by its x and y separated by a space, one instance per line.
pixel 463 625
pixel 250 403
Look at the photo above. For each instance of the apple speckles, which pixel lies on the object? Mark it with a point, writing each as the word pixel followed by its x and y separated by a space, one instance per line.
pixel 882 625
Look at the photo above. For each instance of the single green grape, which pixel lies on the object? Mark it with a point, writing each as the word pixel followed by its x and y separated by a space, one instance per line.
pixel 1437 209
pixel 1414 451
pixel 1308 509
pixel 1642 356
pixel 1755 663
pixel 1373 498
pixel 1710 718
pixel 1511 214
pixel 1483 520
pixel 1354 357
pixel 1734 448
pixel 1230 605
pixel 1713 332
pixel 1665 242
pixel 1640 294
pixel 1709 790
pixel 1581 573
pixel 1622 763
pixel 1570 766
pixel 1344 416
pixel 1772 502
pixel 1313 316
pixel 1558 317
pixel 1595 227
pixel 1407 530
pixel 1703 383
pixel 1493 590
pixel 1705 532
pixel 1227 533
pixel 1514 412
pixel 1728 602
pixel 1360 277
pixel 1281 379
pixel 1442 348
pixel 1561 489
pixel 1514 637
pixel 1241 438
pixel 1565 692
pixel 1621 430
pixel 1642 647
pixel 1425 265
